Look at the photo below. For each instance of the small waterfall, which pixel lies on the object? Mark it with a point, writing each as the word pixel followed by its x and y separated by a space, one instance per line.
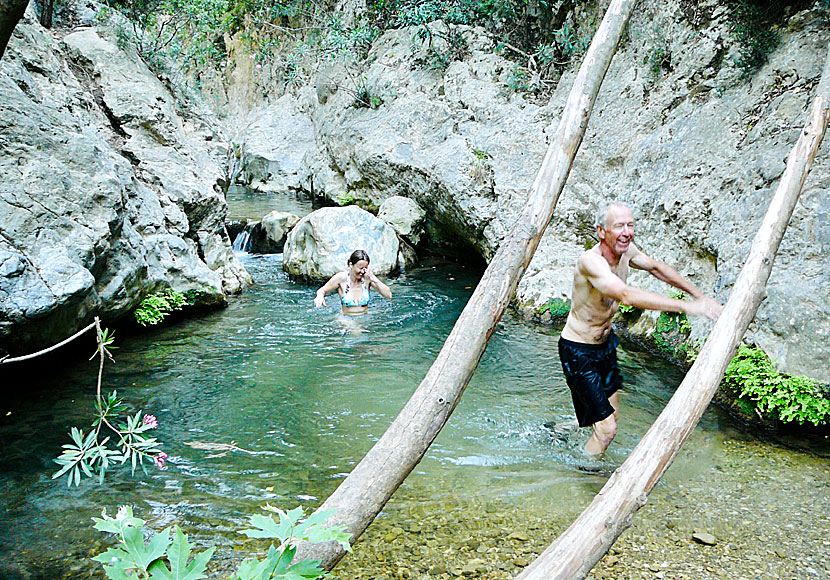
pixel 242 243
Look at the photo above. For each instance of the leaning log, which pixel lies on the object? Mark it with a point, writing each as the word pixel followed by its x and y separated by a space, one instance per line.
pixel 11 11
pixel 589 537
pixel 362 495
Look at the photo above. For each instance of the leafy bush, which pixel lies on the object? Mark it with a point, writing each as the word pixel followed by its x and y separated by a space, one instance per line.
pixel 557 308
pixel 90 455
pixel 155 307
pixel 751 26
pixel 752 376
pixel 160 558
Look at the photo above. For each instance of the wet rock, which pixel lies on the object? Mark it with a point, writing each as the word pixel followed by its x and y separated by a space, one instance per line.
pixel 704 538
pixel 270 234
pixel 405 216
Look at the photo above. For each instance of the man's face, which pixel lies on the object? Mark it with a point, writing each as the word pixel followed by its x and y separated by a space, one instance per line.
pixel 619 229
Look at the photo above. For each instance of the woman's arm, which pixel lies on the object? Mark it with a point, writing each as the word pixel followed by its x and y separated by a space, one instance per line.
pixel 330 286
pixel 382 288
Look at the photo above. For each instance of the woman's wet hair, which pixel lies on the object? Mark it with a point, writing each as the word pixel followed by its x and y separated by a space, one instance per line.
pixel 356 256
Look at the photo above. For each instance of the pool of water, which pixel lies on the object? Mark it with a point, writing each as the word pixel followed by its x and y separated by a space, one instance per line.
pixel 246 203
pixel 302 394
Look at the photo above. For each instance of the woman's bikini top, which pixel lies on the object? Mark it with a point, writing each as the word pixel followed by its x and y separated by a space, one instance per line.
pixel 348 301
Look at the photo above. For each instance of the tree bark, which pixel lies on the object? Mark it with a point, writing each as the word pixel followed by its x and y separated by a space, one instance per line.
pixel 47 10
pixel 590 536
pixel 362 495
pixel 11 11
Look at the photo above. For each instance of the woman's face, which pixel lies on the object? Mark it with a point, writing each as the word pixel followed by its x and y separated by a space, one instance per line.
pixel 359 269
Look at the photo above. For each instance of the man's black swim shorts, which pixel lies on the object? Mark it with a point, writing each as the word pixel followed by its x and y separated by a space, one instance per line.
pixel 592 375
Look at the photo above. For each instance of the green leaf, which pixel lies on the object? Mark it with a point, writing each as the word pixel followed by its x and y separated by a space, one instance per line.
pixel 178 554
pixel 254 569
pixel 305 569
pixel 266 527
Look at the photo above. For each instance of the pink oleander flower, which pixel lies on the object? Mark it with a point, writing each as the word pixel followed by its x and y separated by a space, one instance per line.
pixel 160 459
pixel 150 420
pixel 259 66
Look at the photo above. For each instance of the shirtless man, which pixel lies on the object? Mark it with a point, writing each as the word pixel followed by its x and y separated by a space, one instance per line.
pixel 588 345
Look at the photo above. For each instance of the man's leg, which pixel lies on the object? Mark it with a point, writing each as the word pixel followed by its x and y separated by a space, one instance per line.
pixel 605 430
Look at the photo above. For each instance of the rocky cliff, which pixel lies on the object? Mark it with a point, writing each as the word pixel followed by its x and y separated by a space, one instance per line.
pixel 107 192
pixel 694 146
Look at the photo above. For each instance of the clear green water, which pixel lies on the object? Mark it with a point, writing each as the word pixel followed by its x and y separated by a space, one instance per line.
pixel 306 392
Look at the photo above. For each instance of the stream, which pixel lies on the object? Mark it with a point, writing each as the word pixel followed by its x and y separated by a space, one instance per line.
pixel 273 401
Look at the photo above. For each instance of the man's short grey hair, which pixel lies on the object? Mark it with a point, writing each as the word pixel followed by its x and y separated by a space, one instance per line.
pixel 602 213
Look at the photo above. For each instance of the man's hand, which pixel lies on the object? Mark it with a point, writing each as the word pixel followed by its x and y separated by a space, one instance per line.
pixel 705 306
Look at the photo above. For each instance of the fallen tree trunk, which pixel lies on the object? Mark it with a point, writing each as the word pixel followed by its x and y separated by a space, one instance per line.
pixel 590 536
pixel 362 495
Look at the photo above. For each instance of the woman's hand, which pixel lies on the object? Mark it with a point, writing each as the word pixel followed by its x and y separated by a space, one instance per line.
pixel 370 275
pixel 319 300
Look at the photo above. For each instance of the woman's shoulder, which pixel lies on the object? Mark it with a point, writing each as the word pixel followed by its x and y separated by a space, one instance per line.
pixel 338 278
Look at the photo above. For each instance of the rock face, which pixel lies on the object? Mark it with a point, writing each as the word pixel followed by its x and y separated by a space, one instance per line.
pixel 277 141
pixel 106 194
pixel 691 146
pixel 405 216
pixel 269 235
pixel 319 246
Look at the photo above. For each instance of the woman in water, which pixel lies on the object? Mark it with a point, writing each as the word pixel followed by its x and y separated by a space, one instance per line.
pixel 353 285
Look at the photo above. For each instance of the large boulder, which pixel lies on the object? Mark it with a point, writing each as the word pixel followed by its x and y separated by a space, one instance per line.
pixel 106 194
pixel 405 216
pixel 269 235
pixel 319 246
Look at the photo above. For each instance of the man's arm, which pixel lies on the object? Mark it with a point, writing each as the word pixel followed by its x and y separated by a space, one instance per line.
pixel 663 272
pixel 599 274
pixel 702 305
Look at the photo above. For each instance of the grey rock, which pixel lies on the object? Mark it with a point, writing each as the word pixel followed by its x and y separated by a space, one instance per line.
pixel 704 538
pixel 98 206
pixel 269 235
pixel 276 141
pixel 405 216
pixel 319 246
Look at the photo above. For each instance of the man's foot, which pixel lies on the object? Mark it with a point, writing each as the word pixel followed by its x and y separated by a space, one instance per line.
pixel 594 465
pixel 562 430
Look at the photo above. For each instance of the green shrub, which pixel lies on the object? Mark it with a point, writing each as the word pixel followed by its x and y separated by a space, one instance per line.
pixel 557 308
pixel 144 555
pixel 753 378
pixel 751 26
pixel 155 307
pixel 346 199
